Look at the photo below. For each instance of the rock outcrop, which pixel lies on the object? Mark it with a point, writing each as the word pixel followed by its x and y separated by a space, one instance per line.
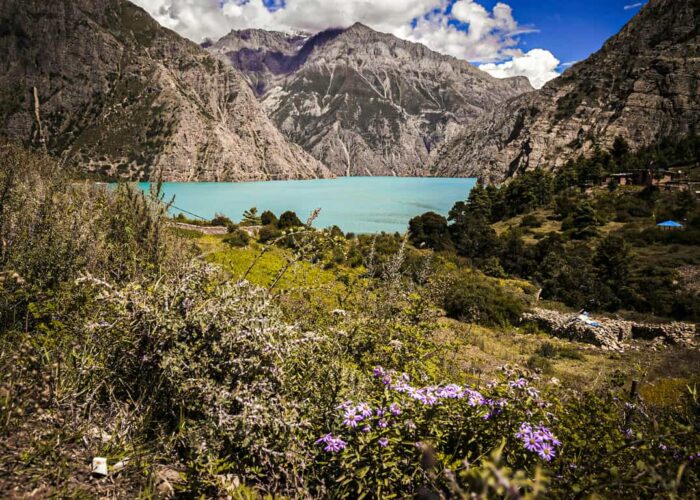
pixel 102 85
pixel 609 333
pixel 363 102
pixel 642 85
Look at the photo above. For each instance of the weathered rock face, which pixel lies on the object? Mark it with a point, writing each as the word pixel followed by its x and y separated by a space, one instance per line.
pixel 642 85
pixel 363 102
pixel 610 334
pixel 122 97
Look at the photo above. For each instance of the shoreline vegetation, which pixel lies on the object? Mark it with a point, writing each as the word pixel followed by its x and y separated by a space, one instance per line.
pixel 279 360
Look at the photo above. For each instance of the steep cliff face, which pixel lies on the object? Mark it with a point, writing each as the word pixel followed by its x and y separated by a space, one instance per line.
pixel 364 102
pixel 100 84
pixel 642 85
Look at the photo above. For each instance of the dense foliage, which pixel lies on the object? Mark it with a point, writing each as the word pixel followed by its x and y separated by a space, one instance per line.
pixel 577 262
pixel 116 340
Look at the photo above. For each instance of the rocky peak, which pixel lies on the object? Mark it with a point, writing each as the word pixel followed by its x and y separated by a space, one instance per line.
pixel 366 102
pixel 257 39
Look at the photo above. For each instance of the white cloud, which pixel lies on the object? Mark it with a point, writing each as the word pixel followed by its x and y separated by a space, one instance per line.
pixel 483 36
pixel 199 19
pixel 538 65
pixel 489 36
pixel 633 5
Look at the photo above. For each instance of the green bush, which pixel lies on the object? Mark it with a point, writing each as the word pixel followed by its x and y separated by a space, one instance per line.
pixel 531 221
pixel 470 297
pixel 268 234
pixel 267 218
pixel 238 238
pixel 289 220
pixel 221 220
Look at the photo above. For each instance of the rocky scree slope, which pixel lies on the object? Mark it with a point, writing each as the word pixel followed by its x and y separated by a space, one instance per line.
pixel 363 102
pixel 641 85
pixel 100 84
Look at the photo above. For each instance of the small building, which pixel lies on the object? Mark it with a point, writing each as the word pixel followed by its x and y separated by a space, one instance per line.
pixel 642 177
pixel 633 178
pixel 670 225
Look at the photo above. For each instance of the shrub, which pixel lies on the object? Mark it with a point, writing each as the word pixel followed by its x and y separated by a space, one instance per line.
pixel 203 362
pixel 539 364
pixel 430 231
pixel 221 220
pixel 476 300
pixel 238 238
pixel 547 350
pixel 267 218
pixel 289 220
pixel 531 220
pixel 268 234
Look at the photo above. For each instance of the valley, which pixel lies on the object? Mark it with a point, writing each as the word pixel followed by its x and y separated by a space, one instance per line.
pixel 316 250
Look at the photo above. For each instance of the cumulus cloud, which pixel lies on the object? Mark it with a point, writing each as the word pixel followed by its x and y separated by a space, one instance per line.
pixel 538 65
pixel 464 29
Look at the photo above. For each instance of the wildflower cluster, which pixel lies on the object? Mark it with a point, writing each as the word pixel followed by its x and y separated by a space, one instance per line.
pixel 333 444
pixel 538 439
pixel 400 412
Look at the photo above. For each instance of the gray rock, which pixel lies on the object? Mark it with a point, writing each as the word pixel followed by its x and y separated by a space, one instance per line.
pixel 611 334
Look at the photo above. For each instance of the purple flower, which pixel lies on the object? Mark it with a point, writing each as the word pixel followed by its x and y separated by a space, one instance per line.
pixel 386 379
pixel 333 444
pixel 521 383
pixel 378 371
pixel 383 442
pixel 533 442
pixel 538 439
pixel 364 410
pixel 546 451
pixel 525 430
pixel 366 428
pixel 345 405
pixel 382 424
pixel 450 391
pixel 352 418
pixel 395 409
pixel 474 398
pixel 380 411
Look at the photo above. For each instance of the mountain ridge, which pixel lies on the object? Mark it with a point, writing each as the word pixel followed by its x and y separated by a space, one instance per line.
pixel 641 85
pixel 152 105
pixel 365 102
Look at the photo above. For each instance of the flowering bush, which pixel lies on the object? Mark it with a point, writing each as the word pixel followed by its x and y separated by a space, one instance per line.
pixel 380 442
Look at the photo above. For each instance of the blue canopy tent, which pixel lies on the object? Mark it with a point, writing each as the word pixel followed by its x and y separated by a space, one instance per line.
pixel 670 224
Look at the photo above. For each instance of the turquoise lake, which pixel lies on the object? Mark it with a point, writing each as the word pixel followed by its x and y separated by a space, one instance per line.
pixel 355 204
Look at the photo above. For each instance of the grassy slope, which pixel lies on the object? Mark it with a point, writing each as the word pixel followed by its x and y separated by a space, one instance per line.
pixel 472 352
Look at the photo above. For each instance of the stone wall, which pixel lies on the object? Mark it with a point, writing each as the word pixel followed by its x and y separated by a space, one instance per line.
pixel 611 334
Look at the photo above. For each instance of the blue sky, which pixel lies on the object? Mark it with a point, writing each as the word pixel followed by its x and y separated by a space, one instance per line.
pixel 571 30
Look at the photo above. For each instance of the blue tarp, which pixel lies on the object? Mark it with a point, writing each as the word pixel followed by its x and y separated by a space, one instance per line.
pixel 670 223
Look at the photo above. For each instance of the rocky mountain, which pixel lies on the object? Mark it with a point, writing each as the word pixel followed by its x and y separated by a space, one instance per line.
pixel 363 102
pixel 102 85
pixel 642 85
